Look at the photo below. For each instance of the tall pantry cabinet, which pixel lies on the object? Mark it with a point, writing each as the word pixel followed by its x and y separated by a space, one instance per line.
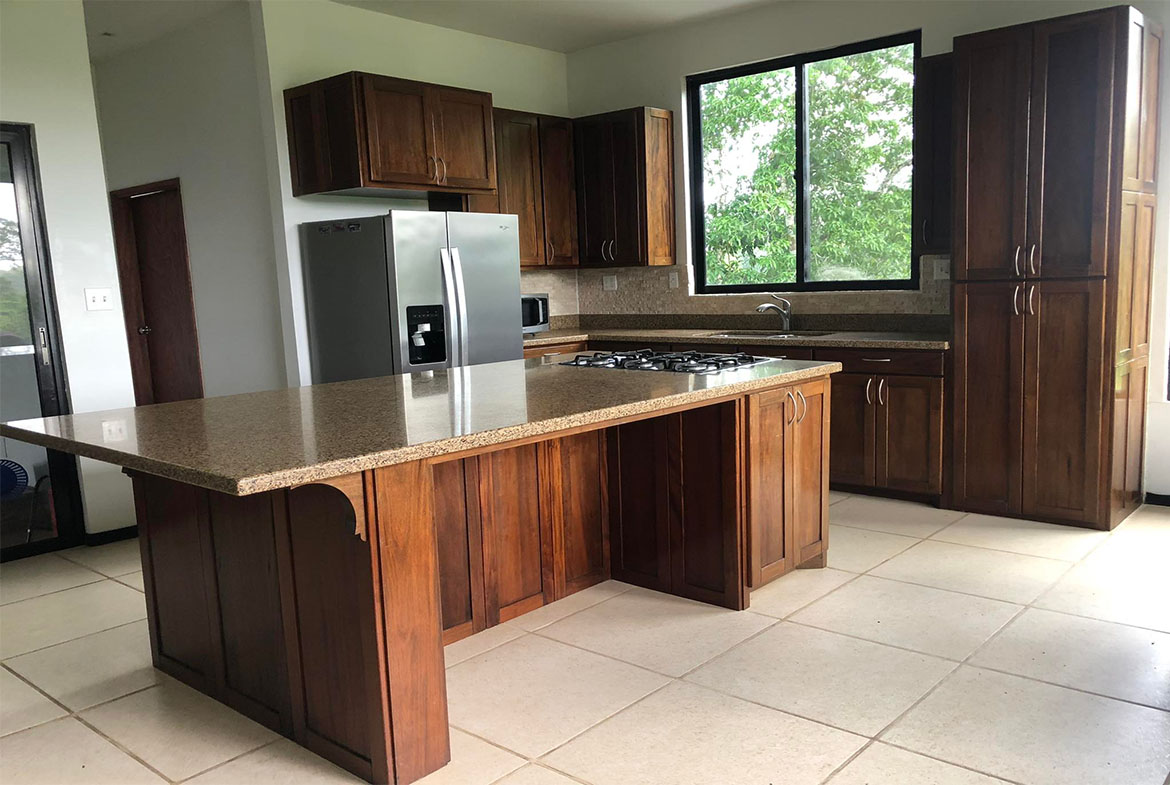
pixel 1056 129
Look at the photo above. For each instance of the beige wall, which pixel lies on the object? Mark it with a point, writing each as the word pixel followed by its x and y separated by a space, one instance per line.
pixel 45 81
pixel 185 106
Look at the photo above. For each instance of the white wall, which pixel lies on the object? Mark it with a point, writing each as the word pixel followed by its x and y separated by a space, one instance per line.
pixel 45 81
pixel 304 40
pixel 185 106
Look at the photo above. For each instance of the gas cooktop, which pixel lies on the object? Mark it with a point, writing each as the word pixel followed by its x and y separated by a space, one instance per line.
pixel 679 362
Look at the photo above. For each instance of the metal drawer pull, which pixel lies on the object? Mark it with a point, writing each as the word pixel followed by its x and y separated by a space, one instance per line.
pixel 1031 294
pixel 1016 300
pixel 431 161
pixel 792 398
pixel 868 385
pixel 1016 260
pixel 804 402
pixel 876 359
pixel 443 161
pixel 881 384
pixel 1032 259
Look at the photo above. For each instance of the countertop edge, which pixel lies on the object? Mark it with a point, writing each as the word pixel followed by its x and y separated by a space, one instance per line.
pixel 704 336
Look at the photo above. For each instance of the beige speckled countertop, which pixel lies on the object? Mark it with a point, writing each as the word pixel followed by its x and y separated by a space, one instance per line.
pixel 241 444
pixel 837 340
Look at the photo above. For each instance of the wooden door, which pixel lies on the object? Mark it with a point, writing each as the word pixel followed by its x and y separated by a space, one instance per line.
pixel 1118 487
pixel 1063 399
pixel 909 441
pixel 1069 131
pixel 463 137
pixel 460 557
pixel 519 180
pixel 576 468
pixel 1140 145
pixel 992 76
pixel 639 497
pixel 770 484
pixel 558 187
pixel 628 241
pixel 810 481
pixel 934 167
pixel 1135 448
pixel 159 307
pixel 595 189
pixel 1143 282
pixel 512 531
pixel 989 390
pixel 853 424
pixel 400 132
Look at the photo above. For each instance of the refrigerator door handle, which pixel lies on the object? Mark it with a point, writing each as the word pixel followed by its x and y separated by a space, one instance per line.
pixel 453 312
pixel 461 294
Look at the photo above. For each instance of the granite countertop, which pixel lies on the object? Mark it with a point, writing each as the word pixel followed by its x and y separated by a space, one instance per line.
pixel 242 444
pixel 837 340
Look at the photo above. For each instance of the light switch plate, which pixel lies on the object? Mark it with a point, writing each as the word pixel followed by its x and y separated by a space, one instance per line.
pixel 673 279
pixel 609 283
pixel 99 300
pixel 113 430
pixel 942 268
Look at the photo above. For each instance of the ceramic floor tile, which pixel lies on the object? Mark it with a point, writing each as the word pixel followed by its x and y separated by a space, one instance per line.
pixel 279 762
pixel 577 601
pixel 112 559
pixel 687 735
pixel 1098 656
pixel 798 588
pixel 39 575
pixel 133 579
pixel 852 684
pixel 1052 541
pixel 882 764
pixel 22 707
pixel 177 730
pixel 473 762
pixel 457 652
pixel 837 496
pixel 1011 577
pixel 65 752
pixel 912 519
pixel 532 774
pixel 859 550
pixel 658 631
pixel 943 623
pixel 93 669
pixel 532 694
pixel 1036 733
pixel 1149 517
pixel 53 618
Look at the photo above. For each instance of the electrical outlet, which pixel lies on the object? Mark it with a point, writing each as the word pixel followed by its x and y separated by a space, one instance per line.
pixel 99 300
pixel 942 268
pixel 113 430
pixel 673 279
pixel 609 283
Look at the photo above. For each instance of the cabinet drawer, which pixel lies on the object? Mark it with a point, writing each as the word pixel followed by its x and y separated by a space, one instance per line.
pixel 555 348
pixel 779 352
pixel 885 361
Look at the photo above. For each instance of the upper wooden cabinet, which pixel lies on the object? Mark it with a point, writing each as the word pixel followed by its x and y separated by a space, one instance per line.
pixel 625 187
pixel 933 153
pixel 535 175
pixel 364 134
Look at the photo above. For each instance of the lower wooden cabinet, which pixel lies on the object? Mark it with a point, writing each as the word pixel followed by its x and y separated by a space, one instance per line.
pixel 552 349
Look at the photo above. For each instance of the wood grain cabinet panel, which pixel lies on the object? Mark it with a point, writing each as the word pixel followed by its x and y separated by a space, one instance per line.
pixel 399 130
pixel 770 484
pixel 581 514
pixel 933 154
pixel 512 528
pixel 558 181
pixel 810 482
pixel 854 431
pixel 464 143
pixel 1140 150
pixel 909 434
pixel 460 549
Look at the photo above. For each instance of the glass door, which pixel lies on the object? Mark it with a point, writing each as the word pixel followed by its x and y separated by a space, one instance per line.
pixel 40 505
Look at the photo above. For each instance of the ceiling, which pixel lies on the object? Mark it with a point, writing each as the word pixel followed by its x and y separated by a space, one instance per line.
pixel 559 25
pixel 113 26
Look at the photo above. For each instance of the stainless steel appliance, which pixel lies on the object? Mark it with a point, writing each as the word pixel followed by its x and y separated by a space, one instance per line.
pixel 411 291
pixel 534 313
pixel 679 362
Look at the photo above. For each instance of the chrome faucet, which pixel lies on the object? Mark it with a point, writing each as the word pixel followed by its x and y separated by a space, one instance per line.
pixel 785 310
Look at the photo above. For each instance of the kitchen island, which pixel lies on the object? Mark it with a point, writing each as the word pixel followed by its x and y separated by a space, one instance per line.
pixel 307 552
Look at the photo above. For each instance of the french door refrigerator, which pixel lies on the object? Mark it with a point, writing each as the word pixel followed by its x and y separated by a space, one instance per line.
pixel 411 291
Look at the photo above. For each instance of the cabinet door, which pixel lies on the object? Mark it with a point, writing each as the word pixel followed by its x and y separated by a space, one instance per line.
pixel 595 182
pixel 989 389
pixel 400 138
pixel 992 75
pixel 934 166
pixel 463 137
pixel 1139 153
pixel 1068 179
pixel 460 558
pixel 513 531
pixel 1063 399
pixel 628 246
pixel 909 433
pixel 1136 439
pixel 770 484
pixel 581 519
pixel 810 480
pixel 1143 283
pixel 852 445
pixel 518 180
pixel 558 186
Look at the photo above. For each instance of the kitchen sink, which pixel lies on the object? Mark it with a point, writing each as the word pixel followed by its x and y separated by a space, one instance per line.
pixel 767 334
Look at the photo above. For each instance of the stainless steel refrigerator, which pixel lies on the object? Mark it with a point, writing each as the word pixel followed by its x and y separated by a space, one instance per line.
pixel 411 291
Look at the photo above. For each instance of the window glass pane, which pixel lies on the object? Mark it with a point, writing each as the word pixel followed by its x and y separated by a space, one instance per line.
pixel 15 332
pixel 860 134
pixel 749 192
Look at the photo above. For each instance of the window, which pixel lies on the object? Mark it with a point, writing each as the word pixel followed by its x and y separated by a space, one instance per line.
pixel 801 171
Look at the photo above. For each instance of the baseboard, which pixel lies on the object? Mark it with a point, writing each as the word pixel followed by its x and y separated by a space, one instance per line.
pixel 111 535
pixel 1162 499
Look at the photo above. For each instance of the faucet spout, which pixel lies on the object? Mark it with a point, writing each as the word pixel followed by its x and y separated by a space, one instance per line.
pixel 785 310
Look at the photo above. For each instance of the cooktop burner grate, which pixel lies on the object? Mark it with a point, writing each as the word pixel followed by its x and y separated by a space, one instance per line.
pixel 678 362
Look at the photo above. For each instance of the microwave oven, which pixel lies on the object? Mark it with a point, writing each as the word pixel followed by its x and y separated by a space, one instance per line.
pixel 534 312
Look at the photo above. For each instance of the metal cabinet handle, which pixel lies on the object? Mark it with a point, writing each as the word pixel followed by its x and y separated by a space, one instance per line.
pixel 145 330
pixel 433 177
pixel 461 295
pixel 868 385
pixel 44 340
pixel 612 243
pixel 1031 294
pixel 604 245
pixel 792 398
pixel 1016 300
pixel 804 406
pixel 1032 259
pixel 550 250
pixel 881 385
pixel 876 359
pixel 1016 261
pixel 443 161
pixel 924 240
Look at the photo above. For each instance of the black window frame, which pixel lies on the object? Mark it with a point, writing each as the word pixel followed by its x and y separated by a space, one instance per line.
pixel 695 154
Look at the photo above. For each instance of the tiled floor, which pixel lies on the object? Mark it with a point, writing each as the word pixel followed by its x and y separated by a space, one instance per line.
pixel 937 648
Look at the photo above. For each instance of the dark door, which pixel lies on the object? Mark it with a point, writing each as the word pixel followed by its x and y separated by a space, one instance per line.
pixel 852 424
pixel 934 99
pixel 1063 399
pixel 463 137
pixel 400 132
pixel 909 433
pixel 627 248
pixel 558 176
pixel 40 501
pixel 595 183
pixel 151 244
pixel 518 178
pixel 1068 181
pixel 992 76
pixel 989 391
